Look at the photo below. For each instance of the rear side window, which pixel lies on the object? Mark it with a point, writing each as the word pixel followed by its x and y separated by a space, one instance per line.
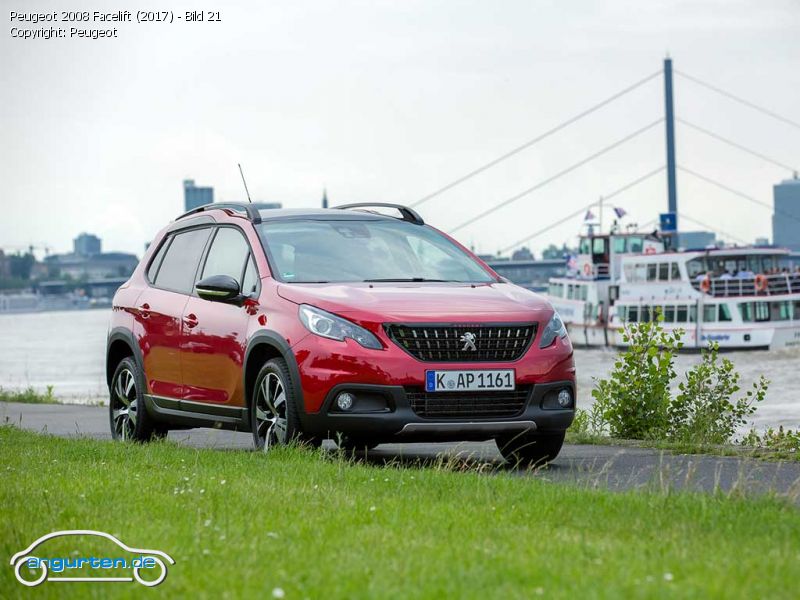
pixel 228 254
pixel 152 270
pixel 179 264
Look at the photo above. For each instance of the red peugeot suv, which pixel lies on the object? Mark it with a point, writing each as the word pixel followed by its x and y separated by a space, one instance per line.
pixel 344 323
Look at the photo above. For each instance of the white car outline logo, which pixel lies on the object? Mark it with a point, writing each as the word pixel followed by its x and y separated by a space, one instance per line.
pixel 469 341
pixel 21 558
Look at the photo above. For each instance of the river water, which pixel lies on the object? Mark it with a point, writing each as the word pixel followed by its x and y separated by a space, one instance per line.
pixel 67 350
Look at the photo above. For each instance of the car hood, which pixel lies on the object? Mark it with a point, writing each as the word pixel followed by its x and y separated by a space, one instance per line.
pixel 432 302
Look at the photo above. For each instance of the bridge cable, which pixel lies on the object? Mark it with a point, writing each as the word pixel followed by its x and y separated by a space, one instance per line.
pixel 738 99
pixel 714 229
pixel 558 175
pixel 536 140
pixel 616 192
pixel 735 145
pixel 736 192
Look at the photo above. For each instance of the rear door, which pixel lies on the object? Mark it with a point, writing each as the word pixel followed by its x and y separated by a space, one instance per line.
pixel 215 333
pixel 160 308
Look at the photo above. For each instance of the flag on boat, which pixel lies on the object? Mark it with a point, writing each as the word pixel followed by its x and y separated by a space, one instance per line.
pixel 620 212
pixel 589 215
pixel 572 262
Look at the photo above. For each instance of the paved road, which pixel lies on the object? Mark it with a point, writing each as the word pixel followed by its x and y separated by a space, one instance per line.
pixel 613 467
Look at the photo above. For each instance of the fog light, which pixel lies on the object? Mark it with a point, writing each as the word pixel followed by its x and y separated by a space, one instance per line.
pixel 564 398
pixel 345 401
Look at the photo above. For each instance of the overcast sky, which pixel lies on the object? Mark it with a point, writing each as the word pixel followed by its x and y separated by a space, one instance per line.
pixel 388 101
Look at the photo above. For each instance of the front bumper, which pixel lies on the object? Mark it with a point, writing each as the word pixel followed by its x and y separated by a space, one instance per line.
pixel 397 420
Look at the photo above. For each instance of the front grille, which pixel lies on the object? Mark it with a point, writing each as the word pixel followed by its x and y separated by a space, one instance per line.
pixel 447 405
pixel 449 343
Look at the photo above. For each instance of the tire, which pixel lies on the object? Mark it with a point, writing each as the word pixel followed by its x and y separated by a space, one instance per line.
pixel 274 418
pixel 530 449
pixel 350 444
pixel 127 413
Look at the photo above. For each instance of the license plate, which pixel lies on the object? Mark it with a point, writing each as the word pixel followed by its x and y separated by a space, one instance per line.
pixel 469 381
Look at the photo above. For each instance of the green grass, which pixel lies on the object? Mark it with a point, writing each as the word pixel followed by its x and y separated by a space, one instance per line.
pixel 241 523
pixel 28 396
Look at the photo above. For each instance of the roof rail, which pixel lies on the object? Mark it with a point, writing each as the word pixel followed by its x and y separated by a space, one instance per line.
pixel 249 209
pixel 408 214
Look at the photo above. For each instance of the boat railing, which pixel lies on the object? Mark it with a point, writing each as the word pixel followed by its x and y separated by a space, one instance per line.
pixel 762 285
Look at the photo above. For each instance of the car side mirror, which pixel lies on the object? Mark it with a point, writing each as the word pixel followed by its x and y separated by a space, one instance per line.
pixel 219 288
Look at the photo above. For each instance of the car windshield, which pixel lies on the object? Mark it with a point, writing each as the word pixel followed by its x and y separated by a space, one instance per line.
pixel 369 250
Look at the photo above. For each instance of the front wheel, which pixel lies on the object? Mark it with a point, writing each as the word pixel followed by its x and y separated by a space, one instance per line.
pixel 273 418
pixel 127 414
pixel 530 449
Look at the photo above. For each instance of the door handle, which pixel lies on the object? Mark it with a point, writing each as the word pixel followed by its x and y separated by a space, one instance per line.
pixel 191 320
pixel 144 311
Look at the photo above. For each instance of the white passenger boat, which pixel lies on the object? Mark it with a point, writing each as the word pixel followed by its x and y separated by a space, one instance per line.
pixel 741 298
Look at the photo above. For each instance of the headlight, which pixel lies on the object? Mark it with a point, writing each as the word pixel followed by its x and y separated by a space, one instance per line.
pixel 555 329
pixel 327 325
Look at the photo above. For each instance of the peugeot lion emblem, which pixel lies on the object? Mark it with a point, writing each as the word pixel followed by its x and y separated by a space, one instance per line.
pixel 469 341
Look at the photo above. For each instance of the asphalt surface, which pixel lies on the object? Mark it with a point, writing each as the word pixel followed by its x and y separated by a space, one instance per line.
pixel 612 467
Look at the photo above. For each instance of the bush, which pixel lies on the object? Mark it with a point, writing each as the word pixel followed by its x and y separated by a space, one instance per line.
pixel 634 401
pixel 780 440
pixel 703 412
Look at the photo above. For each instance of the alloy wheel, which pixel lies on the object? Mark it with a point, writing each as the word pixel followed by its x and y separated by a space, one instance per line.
pixel 124 405
pixel 271 421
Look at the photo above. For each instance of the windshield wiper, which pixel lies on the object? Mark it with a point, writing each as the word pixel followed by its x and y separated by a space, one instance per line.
pixel 409 279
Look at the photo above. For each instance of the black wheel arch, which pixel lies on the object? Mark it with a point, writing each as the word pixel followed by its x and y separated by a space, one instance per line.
pixel 264 345
pixel 121 344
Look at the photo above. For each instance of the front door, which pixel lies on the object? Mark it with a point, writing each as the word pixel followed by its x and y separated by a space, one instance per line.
pixel 215 333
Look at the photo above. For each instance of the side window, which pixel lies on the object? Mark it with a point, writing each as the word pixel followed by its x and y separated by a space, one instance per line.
pixel 250 280
pixel 152 270
pixel 227 255
pixel 682 314
pixel 652 272
pixel 663 272
pixel 633 314
pixel 669 313
pixel 710 313
pixel 724 312
pixel 676 272
pixel 180 261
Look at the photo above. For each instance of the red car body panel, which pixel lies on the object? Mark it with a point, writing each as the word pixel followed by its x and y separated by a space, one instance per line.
pixel 195 350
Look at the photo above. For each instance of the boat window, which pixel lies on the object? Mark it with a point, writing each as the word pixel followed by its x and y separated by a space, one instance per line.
pixel 780 311
pixel 598 245
pixel 584 292
pixel 767 264
pixel 709 313
pixel 663 272
pixel 622 313
pixel 620 245
pixel 633 314
pixel 634 244
pixel 676 272
pixel 682 314
pixel 652 270
pixel 724 312
pixel 669 313
pixel 752 264
pixel 797 310
pixel 761 310
pixel 692 314
pixel 746 310
pixel 695 267
pixel 645 314
pixel 641 272
pixel 585 247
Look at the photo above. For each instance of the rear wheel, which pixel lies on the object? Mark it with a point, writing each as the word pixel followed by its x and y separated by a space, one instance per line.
pixel 127 414
pixel 530 449
pixel 274 419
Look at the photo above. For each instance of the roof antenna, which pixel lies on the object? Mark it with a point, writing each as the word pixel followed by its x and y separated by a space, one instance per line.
pixel 245 183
